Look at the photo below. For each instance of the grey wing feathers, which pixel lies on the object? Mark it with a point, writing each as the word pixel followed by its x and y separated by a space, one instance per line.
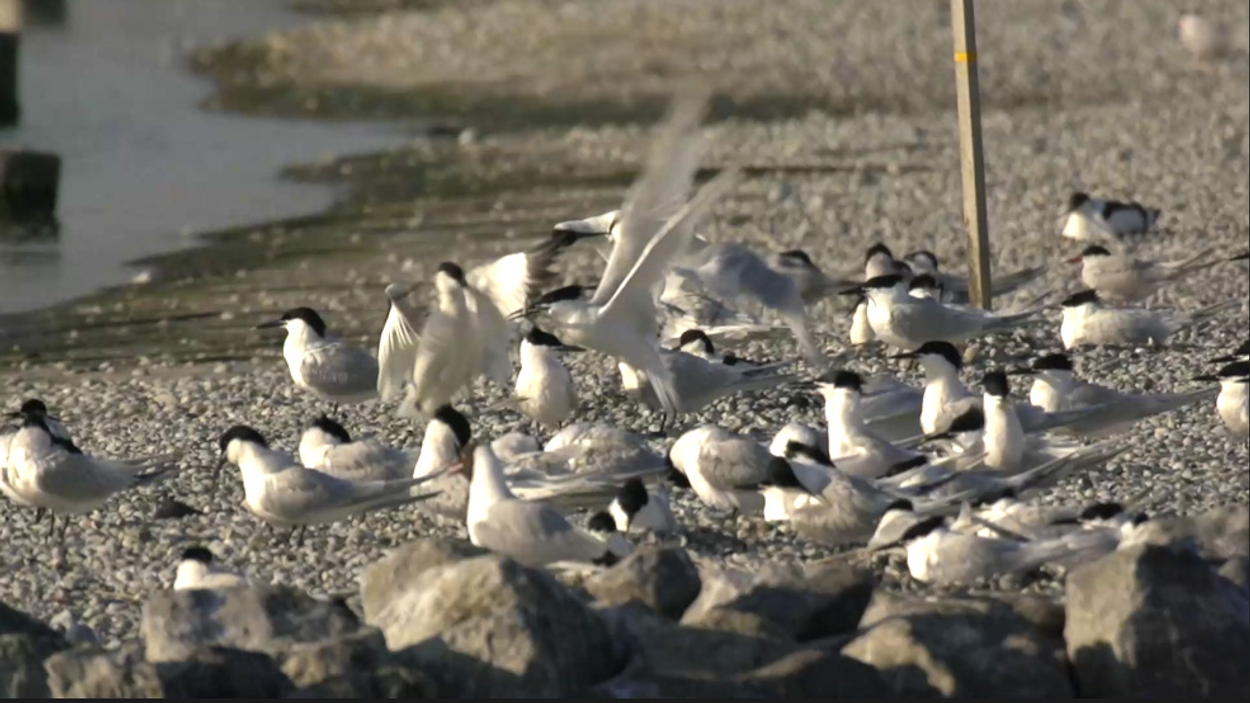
pixel 535 534
pixel 79 479
pixel 340 369
pixel 368 460
pixel 734 463
pixel 659 192
pixel 397 352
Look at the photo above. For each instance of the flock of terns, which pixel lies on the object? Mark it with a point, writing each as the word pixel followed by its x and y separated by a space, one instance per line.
pixel 940 471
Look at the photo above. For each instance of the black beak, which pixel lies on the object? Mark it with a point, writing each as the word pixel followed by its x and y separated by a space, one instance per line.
pixel 905 355
pixel 270 324
pixel 857 290
pixel 568 348
pixel 1207 379
pixel 1225 359
pixel 1243 256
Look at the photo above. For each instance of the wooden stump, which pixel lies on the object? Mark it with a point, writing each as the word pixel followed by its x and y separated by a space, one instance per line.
pixel 28 185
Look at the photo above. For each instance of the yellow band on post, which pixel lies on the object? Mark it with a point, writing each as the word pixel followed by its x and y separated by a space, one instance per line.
pixel 965 57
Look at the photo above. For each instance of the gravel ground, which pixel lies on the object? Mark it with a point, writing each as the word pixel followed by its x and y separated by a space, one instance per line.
pixel 1105 102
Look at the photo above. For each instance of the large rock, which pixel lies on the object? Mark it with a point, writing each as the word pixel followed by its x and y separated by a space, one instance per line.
pixel 663 579
pixel 1223 533
pixel 969 648
pixel 1157 621
pixel 398 572
pixel 257 618
pixel 488 626
pixel 359 662
pixel 212 672
pixel 1045 614
pixel 24 645
pixel 774 602
pixel 664 650
pixel 817 673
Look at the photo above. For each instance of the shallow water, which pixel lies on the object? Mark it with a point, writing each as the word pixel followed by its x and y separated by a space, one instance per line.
pixel 142 166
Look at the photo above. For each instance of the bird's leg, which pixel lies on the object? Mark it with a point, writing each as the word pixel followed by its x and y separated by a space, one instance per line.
pixel 38 516
pixel 300 541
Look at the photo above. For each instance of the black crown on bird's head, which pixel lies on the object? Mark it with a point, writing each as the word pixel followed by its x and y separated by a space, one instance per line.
pixel 459 425
pixel 700 336
pixel 198 553
pixel 452 270
pixel 309 316
pixel 798 255
pixel 1077 199
pixel 1053 362
pixel 242 433
pixel 332 428
pixel 877 249
pixel 1084 297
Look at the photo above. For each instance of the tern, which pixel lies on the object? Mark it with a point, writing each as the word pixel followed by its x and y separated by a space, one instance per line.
pixel 697 342
pixel 620 319
pixel 1123 279
pixel 1094 219
pixel 1234 380
pixel 635 509
pixel 1056 388
pixel 734 271
pixel 282 493
pixel 323 364
pixel 697 382
pixel 533 534
pixel 946 398
pixel 1087 322
pixel 327 447
pixel 196 571
pixel 954 289
pixel 49 472
pixel 509 282
pixel 905 321
pixel 813 284
pixel 606 529
pixel 464 336
pixel 936 554
pixel 857 450
pixel 544 386
pixel 724 469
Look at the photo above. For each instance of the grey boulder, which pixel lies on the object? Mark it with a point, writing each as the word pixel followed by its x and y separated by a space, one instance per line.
pixel 1157 621
pixel 488 626
pixel 966 648
pixel 389 577
pixel 663 579
pixel 24 645
pixel 256 618
pixel 799 605
pixel 210 672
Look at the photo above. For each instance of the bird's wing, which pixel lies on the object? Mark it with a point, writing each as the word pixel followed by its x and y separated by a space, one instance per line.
pixel 666 180
pixel 397 352
pixel 307 493
pixel 734 463
pixel 492 335
pixel 535 534
pixel 367 460
pixel 1125 326
pixel 340 369
pixel 632 300
pixel 442 366
pixel 505 281
pixel 77 478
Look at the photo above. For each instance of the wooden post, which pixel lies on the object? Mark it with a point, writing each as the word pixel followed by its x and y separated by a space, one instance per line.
pixel 971 161
pixel 10 40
